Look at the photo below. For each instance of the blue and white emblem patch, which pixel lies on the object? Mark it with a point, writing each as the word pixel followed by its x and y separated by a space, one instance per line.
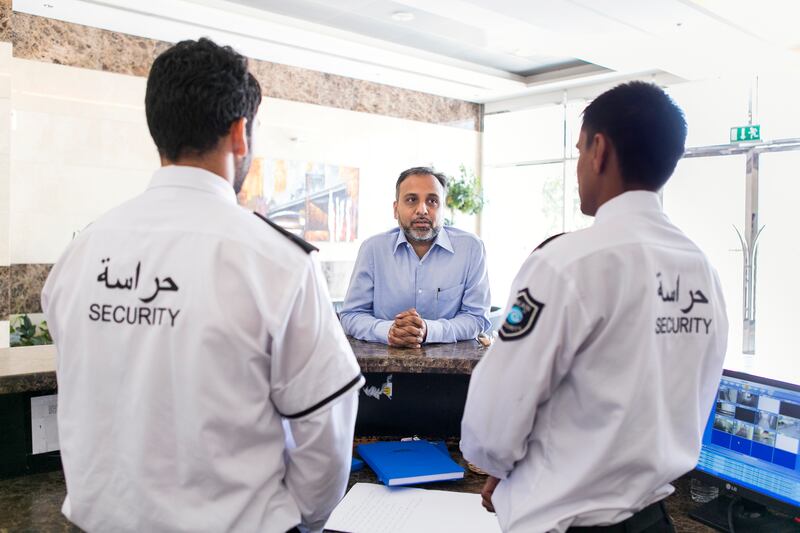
pixel 522 317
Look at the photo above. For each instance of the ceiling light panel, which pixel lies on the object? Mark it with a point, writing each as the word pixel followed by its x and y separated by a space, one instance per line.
pixel 772 20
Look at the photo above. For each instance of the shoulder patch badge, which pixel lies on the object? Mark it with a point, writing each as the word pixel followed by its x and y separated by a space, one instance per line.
pixel 522 317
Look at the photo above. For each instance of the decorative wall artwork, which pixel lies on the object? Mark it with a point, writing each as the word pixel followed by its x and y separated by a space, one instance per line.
pixel 316 201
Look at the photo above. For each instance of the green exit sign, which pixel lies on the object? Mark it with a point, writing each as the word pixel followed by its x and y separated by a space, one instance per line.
pixel 746 133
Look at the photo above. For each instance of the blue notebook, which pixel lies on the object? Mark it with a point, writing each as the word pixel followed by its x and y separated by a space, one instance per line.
pixel 406 463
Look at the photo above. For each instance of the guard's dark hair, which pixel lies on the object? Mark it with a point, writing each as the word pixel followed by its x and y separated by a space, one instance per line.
pixel 195 91
pixel 423 171
pixel 646 128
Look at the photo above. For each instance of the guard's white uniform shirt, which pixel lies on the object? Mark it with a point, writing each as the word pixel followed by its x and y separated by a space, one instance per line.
pixel 186 328
pixel 597 394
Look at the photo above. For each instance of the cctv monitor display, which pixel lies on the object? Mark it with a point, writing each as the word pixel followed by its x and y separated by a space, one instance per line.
pixel 751 445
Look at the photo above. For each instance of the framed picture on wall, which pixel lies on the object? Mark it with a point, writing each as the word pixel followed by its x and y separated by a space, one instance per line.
pixel 316 201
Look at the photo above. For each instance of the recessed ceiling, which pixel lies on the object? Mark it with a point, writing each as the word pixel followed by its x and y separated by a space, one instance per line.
pixel 475 50
pixel 429 31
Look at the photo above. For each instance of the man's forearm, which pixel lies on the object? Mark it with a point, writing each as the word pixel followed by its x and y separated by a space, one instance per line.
pixel 463 326
pixel 319 467
pixel 366 327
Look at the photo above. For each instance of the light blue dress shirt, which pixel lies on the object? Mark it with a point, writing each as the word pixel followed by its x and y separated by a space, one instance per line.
pixel 448 286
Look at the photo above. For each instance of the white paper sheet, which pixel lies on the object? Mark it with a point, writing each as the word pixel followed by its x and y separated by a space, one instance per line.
pixel 44 424
pixel 370 508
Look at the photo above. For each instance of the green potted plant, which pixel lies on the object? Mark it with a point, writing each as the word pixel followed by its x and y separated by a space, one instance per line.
pixel 464 194
pixel 25 333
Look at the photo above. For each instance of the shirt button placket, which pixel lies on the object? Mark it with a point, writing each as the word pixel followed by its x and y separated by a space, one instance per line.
pixel 416 286
pixel 419 275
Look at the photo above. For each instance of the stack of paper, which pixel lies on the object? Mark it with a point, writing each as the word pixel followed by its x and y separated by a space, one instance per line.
pixel 370 508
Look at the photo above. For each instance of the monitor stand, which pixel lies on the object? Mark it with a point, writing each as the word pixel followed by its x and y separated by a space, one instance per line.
pixel 748 516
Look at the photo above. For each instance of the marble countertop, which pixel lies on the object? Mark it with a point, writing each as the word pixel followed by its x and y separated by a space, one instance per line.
pixel 455 358
pixel 33 502
pixel 679 503
pixel 30 368
pixel 33 368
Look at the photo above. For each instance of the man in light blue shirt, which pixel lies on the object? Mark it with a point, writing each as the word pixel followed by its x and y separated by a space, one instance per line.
pixel 420 282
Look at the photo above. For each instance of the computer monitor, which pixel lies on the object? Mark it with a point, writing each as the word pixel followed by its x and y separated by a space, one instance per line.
pixel 751 446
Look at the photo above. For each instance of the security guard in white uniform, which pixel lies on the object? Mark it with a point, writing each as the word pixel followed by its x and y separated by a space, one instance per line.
pixel 190 331
pixel 597 393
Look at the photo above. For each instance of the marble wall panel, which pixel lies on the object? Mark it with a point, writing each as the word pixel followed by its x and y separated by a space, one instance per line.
pixel 302 85
pixel 54 41
pixel 5 292
pixel 128 54
pixel 5 21
pixel 5 269
pixel 26 283
pixel 21 285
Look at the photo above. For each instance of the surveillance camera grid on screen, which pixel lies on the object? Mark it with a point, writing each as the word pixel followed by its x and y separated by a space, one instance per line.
pixel 769 426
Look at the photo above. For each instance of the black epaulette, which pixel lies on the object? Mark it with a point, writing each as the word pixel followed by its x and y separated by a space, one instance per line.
pixel 547 240
pixel 302 243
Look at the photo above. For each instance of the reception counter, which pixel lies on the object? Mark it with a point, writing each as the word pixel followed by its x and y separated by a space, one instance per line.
pixel 414 391
pixel 408 392
pixel 678 504
pixel 33 503
pixel 31 369
pixel 25 374
pixel 457 358
pixel 27 369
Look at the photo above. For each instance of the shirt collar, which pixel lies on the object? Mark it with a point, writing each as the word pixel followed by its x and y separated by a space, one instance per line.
pixel 193 178
pixel 442 240
pixel 629 202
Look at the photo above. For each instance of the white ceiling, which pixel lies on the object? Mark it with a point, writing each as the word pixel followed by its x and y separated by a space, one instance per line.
pixel 433 29
pixel 476 50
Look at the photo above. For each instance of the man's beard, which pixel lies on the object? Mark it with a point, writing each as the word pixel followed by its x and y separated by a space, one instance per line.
pixel 416 235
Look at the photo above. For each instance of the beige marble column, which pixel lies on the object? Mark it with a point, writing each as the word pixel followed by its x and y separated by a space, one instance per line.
pixel 5 173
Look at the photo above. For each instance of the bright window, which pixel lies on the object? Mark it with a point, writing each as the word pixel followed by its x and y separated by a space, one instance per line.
pixel 530 184
pixel 712 108
pixel 533 134
pixel 524 207
pixel 777 289
pixel 705 198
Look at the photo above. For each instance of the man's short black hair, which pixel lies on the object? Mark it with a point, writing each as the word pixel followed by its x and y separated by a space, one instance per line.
pixel 195 91
pixel 421 171
pixel 646 128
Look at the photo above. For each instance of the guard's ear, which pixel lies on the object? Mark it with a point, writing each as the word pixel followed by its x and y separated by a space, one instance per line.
pixel 599 152
pixel 238 134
